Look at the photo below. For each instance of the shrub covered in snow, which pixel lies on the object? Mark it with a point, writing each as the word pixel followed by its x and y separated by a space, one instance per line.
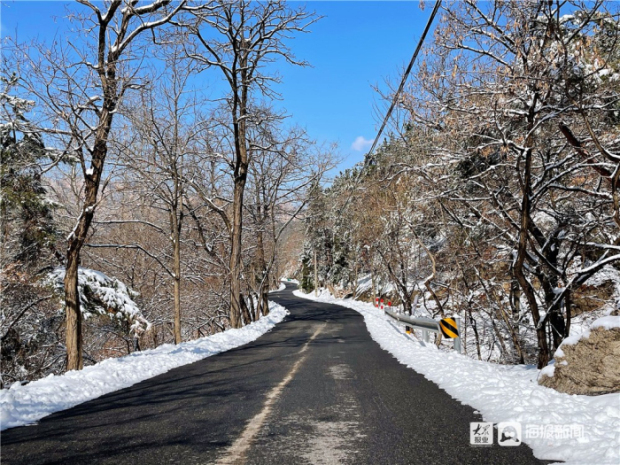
pixel 103 295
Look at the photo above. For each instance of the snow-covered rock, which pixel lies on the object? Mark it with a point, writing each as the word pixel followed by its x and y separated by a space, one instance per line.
pixel 588 363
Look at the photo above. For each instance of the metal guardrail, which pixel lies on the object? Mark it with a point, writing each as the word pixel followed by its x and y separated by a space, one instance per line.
pixel 426 325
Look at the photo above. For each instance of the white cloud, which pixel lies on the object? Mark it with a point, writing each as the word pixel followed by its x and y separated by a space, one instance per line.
pixel 360 144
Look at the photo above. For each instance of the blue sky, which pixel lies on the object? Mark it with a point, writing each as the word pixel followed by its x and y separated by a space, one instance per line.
pixel 355 46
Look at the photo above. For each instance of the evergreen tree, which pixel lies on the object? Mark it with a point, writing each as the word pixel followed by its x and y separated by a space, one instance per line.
pixel 26 215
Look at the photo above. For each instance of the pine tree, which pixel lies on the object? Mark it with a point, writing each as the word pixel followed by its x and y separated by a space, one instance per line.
pixel 26 215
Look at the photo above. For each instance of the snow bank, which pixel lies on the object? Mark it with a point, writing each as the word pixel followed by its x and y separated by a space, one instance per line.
pixel 606 322
pixel 507 393
pixel 23 405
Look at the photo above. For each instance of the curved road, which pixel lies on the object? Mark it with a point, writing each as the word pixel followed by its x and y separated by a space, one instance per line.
pixel 316 389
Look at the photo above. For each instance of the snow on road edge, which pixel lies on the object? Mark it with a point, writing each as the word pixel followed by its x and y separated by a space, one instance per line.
pixel 23 405
pixel 505 393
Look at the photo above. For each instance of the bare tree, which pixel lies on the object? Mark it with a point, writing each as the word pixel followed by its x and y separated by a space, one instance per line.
pixel 165 129
pixel 285 164
pixel 520 80
pixel 81 89
pixel 239 39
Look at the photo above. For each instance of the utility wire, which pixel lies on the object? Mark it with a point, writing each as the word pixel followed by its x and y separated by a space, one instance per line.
pixel 405 76
pixel 396 95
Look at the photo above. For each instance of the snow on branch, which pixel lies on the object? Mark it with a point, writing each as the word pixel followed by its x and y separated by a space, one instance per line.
pixel 103 295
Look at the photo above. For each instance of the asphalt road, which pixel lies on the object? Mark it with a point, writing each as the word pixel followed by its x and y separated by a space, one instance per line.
pixel 316 389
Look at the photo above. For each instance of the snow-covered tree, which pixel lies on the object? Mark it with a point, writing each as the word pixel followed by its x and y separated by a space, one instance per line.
pixel 28 234
pixel 501 187
pixel 101 295
pixel 79 89
pixel 26 222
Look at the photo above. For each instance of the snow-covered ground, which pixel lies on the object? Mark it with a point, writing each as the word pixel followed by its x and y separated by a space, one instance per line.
pixel 23 405
pixel 364 284
pixel 483 334
pixel 570 428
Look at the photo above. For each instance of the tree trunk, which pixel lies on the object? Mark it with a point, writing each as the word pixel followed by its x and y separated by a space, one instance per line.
pixel 77 239
pixel 316 276
pixel 569 313
pixel 239 114
pixel 177 289
pixel 247 317
pixel 543 348
pixel 262 274
pixel 428 280
pixel 73 329
pixel 515 300
pixel 254 310
pixel 407 307
pixel 474 326
pixel 514 334
pixel 265 301
pixel 500 338
pixel 557 325
pixel 235 254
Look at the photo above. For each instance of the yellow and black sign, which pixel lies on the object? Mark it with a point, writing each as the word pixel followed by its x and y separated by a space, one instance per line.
pixel 448 328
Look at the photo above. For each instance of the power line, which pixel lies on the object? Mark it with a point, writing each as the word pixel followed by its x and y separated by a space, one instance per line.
pixel 395 99
pixel 405 76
